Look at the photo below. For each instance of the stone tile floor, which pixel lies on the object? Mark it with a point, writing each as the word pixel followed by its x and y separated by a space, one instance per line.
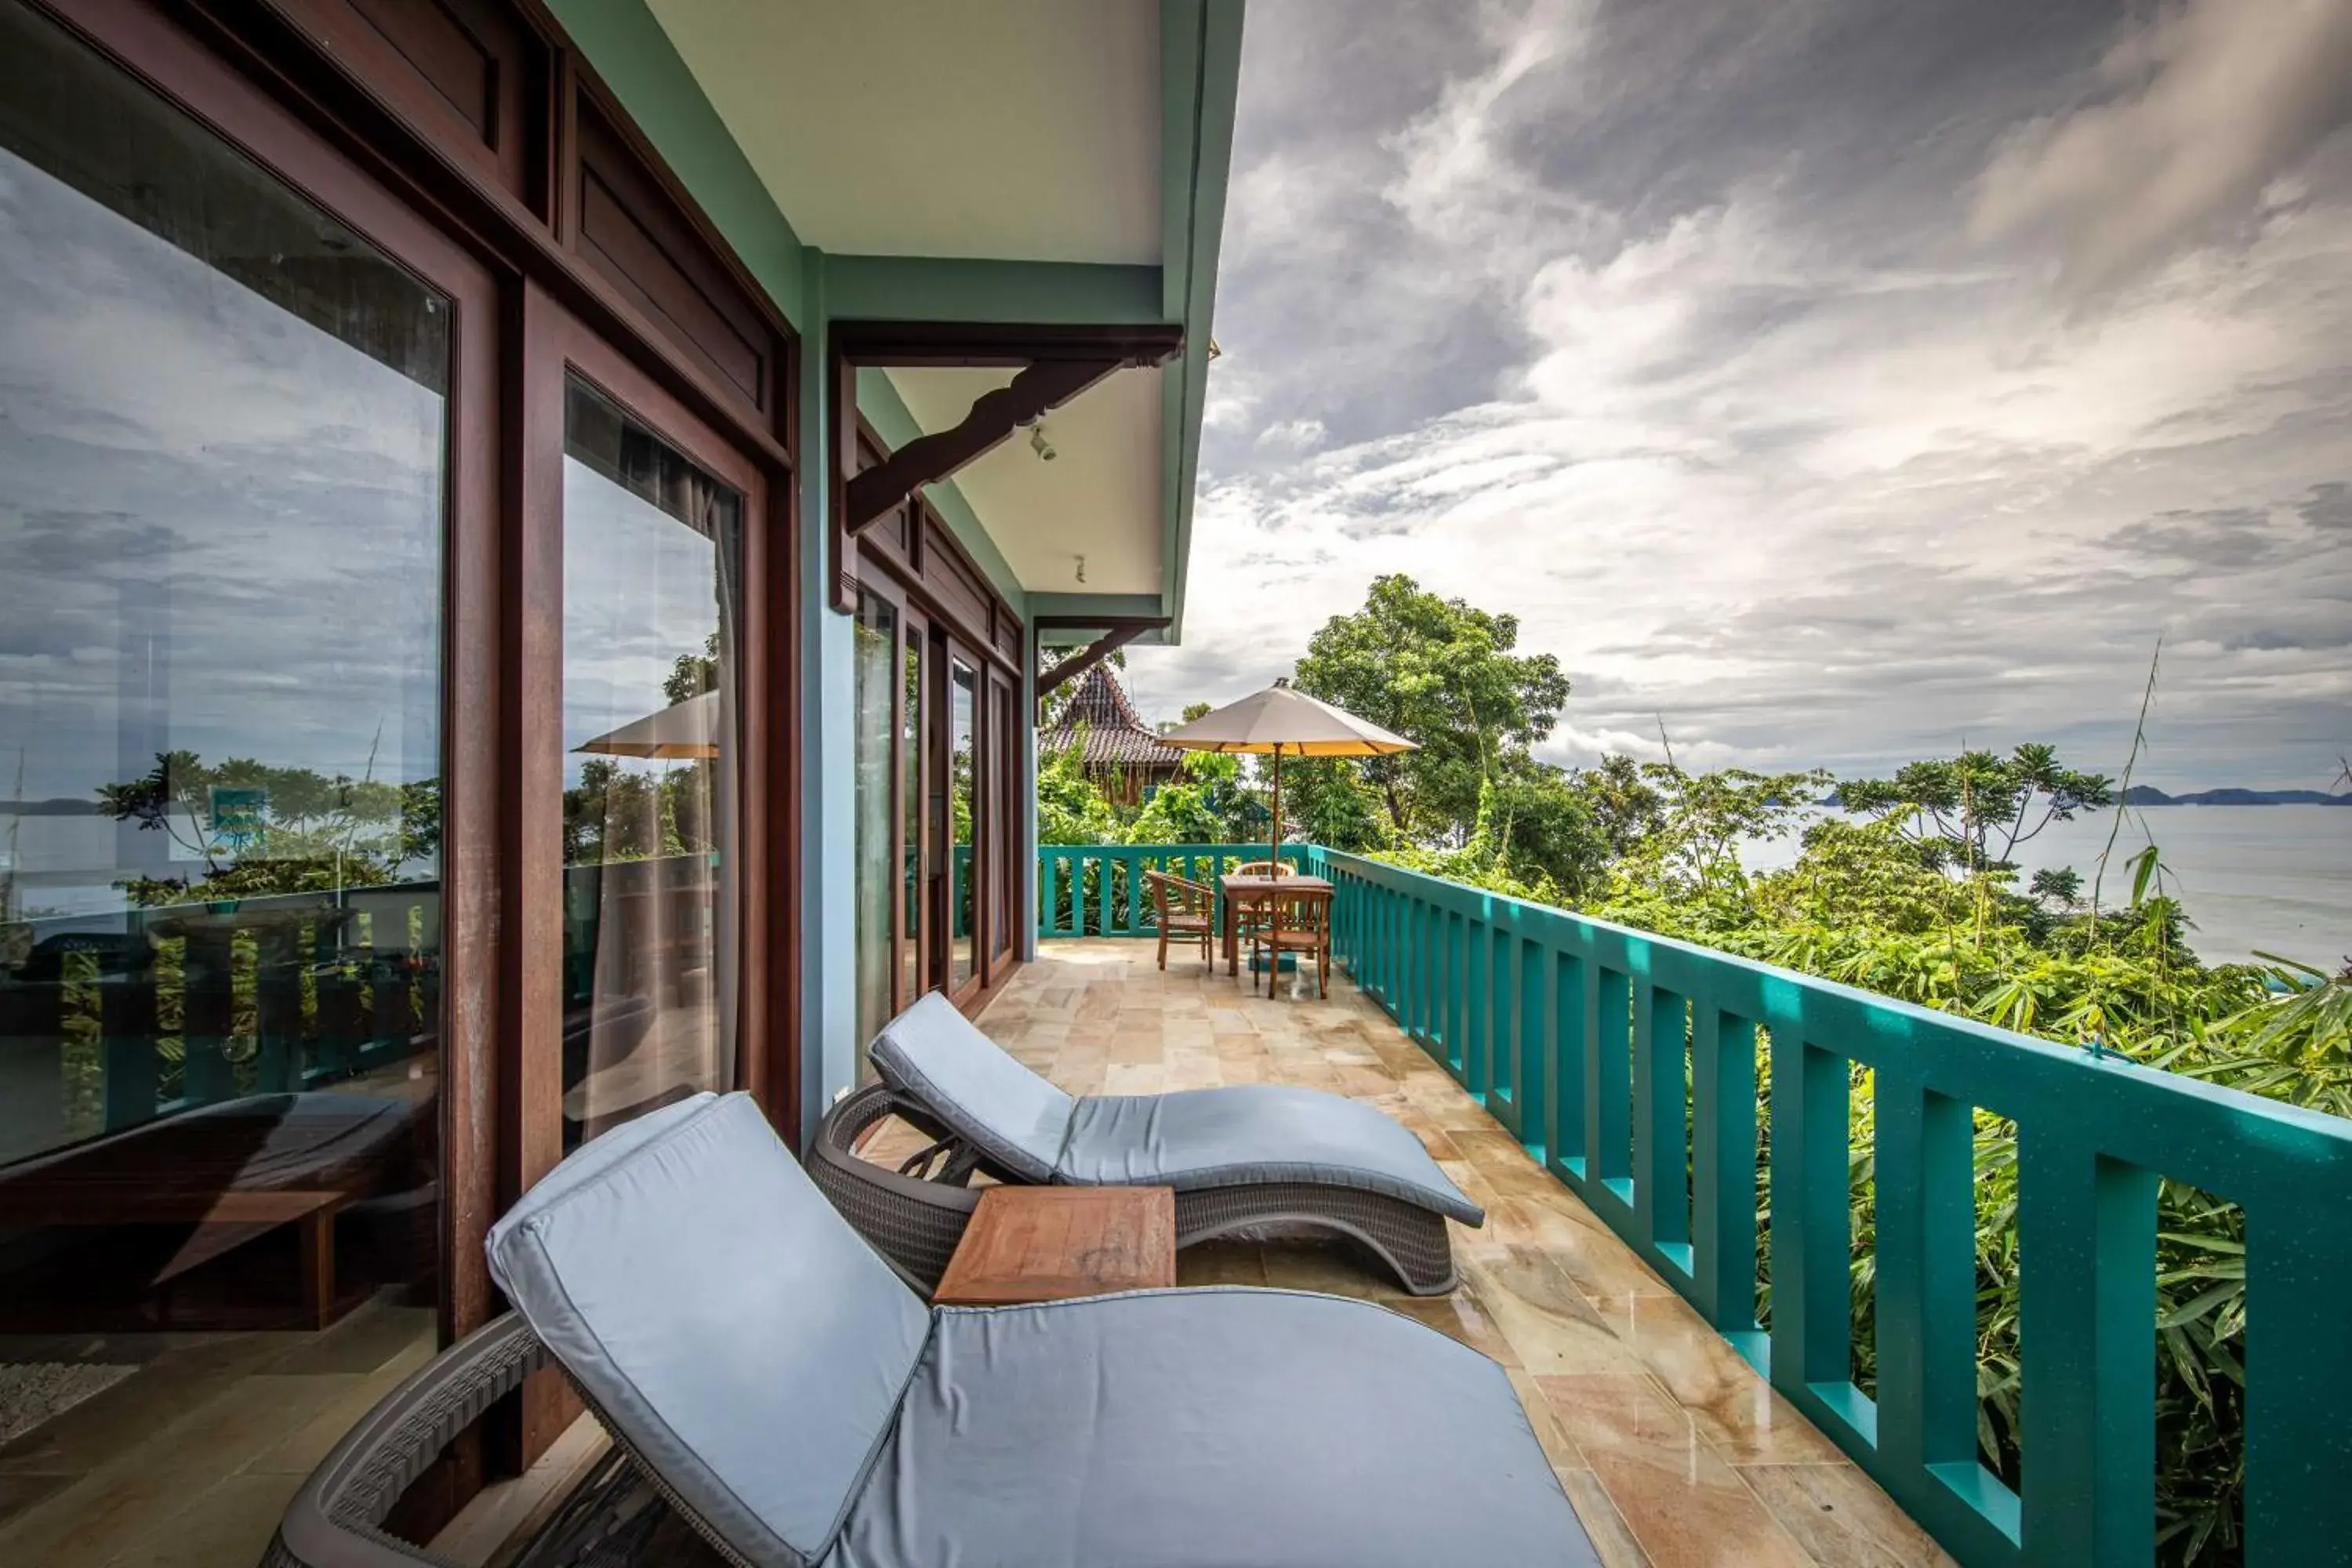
pixel 1676 1453
pixel 189 1462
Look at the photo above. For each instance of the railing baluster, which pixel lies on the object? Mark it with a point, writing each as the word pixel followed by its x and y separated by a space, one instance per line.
pixel 1423 967
pixel 1453 995
pixel 1573 1013
pixel 1413 952
pixel 1924 1304
pixel 1609 1086
pixel 1661 1114
pixel 1723 1171
pixel 2086 1354
pixel 1532 1060
pixel 1813 1225
pixel 1468 1042
pixel 2298 1440
pixel 1421 963
pixel 1502 992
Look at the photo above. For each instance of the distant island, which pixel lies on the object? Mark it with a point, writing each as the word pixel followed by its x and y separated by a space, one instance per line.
pixel 2148 794
pixel 2231 794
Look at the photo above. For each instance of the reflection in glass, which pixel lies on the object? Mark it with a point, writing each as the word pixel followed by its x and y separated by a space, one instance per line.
pixel 1003 752
pixel 874 654
pixel 222 419
pixel 963 725
pixel 910 786
pixel 651 563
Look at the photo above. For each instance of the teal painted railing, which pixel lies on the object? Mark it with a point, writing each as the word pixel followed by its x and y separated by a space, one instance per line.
pixel 1626 1065
pixel 1098 890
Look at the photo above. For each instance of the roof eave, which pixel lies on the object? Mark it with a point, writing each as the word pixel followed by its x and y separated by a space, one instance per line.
pixel 1201 53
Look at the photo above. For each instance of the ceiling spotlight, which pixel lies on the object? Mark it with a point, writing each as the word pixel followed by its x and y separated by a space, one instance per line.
pixel 1037 442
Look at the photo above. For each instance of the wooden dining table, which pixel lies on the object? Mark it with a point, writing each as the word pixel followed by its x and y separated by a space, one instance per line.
pixel 1239 891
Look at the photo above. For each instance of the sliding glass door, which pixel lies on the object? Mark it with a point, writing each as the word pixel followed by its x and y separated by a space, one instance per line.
pixel 874 658
pixel 229 427
pixel 1006 795
pixel 651 714
pixel 932 813
pixel 965 816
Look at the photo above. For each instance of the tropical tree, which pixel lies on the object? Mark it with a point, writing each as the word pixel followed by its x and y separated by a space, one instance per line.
pixel 1444 676
pixel 294 829
pixel 1625 807
pixel 1977 807
pixel 1070 809
pixel 1330 801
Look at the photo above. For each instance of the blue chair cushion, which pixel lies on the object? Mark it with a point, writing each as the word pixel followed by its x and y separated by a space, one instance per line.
pixel 1251 1133
pixel 720 1316
pixel 1208 1430
pixel 936 1054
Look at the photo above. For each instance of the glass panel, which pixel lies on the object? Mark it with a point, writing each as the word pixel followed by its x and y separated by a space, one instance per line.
pixel 962 697
pixel 651 560
pixel 876 662
pixel 1003 791
pixel 222 493
pixel 910 786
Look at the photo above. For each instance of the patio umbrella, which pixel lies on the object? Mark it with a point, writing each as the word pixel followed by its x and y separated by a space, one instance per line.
pixel 1281 722
pixel 687 729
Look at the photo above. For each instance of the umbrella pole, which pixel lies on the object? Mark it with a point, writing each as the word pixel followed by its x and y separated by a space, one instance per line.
pixel 1277 810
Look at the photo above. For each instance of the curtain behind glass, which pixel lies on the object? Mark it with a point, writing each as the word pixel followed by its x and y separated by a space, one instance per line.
pixel 963 818
pixel 652 554
pixel 874 660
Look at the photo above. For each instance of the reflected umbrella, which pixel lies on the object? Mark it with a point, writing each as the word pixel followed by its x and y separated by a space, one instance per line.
pixel 687 729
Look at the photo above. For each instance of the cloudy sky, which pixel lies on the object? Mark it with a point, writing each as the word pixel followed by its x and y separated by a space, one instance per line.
pixel 1835 382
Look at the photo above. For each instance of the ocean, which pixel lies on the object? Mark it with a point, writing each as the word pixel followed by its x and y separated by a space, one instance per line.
pixel 2267 878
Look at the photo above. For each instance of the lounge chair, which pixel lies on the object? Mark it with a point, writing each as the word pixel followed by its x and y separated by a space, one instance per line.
pixel 801 1408
pixel 1248 1156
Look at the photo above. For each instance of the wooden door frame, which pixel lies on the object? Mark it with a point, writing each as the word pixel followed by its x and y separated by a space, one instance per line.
pixel 1002 720
pixel 908 619
pixel 555 346
pixel 477 948
pixel 328 105
pixel 971 995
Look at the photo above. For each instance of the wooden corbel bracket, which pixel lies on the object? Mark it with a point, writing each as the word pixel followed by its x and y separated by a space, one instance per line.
pixel 1057 364
pixel 1119 634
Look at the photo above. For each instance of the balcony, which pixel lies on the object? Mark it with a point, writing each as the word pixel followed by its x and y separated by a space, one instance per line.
pixel 1673 1449
pixel 1627 1107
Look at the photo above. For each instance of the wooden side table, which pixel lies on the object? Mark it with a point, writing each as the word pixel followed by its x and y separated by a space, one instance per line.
pixel 1046 1244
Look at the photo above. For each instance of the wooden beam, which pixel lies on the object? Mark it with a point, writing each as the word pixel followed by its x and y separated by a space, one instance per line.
pixel 1095 652
pixel 870 497
pixel 1054 364
pixel 965 344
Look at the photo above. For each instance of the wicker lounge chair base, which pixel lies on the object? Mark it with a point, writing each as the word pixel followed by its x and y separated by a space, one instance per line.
pixel 915 1221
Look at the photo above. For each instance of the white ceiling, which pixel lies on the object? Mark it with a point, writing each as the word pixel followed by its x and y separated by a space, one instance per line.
pixel 1017 130
pixel 1099 496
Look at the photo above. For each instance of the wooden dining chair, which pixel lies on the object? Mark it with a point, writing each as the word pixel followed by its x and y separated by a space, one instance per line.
pixel 1186 911
pixel 1299 923
pixel 1251 916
